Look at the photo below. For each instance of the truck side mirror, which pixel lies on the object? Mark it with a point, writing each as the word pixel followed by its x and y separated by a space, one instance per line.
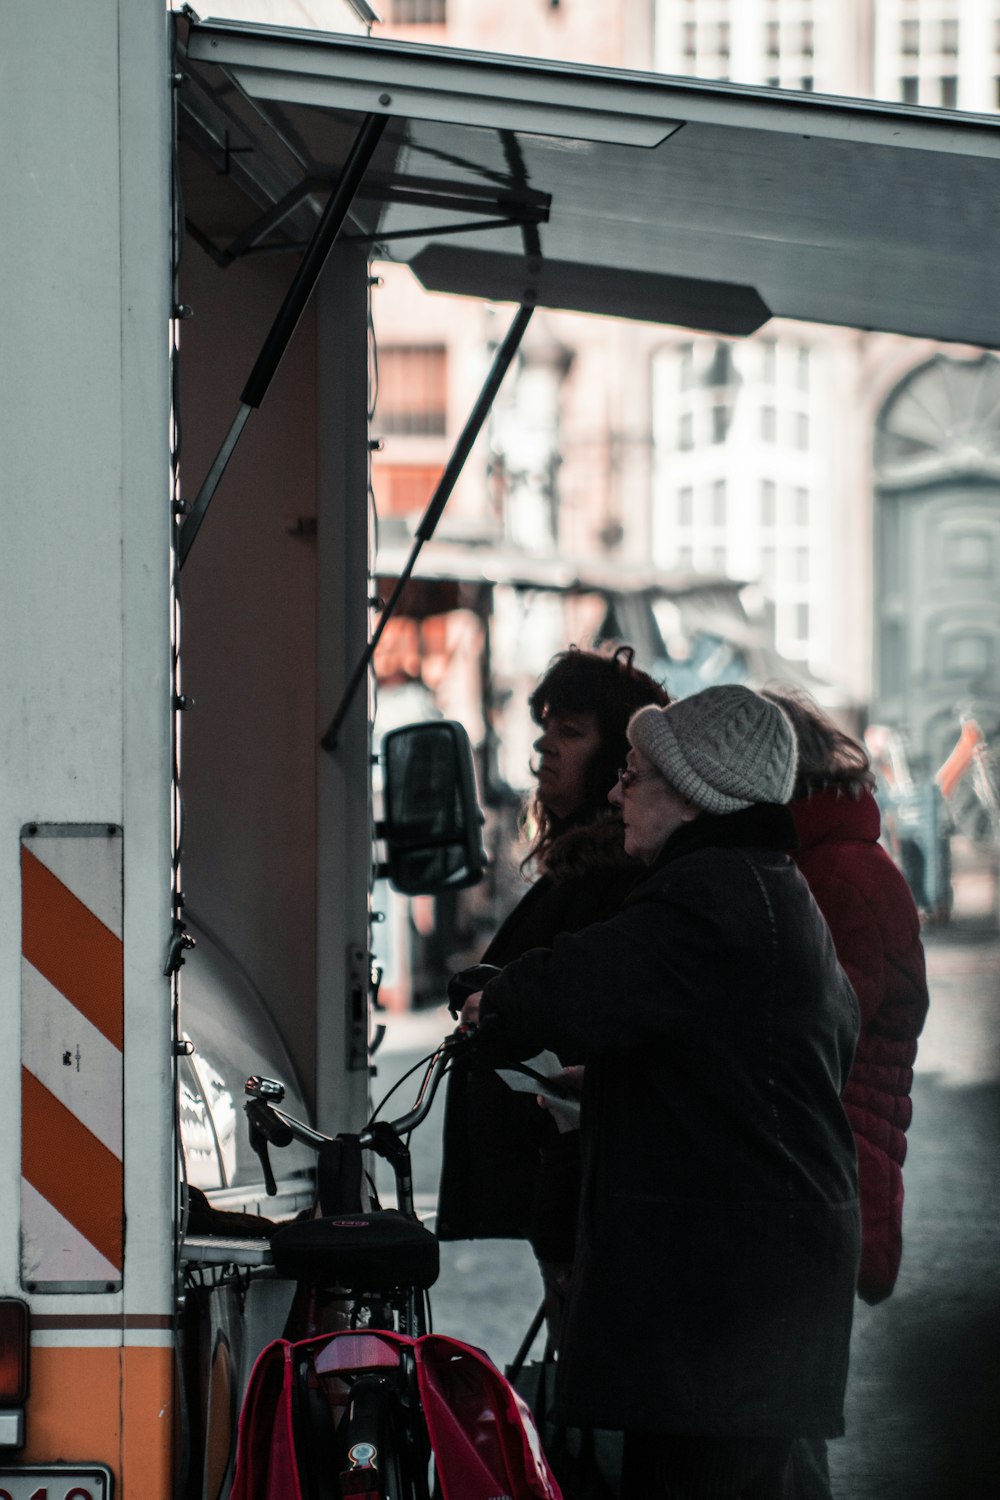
pixel 433 824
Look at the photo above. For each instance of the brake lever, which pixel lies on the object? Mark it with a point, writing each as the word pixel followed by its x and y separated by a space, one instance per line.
pixel 264 1127
pixel 258 1140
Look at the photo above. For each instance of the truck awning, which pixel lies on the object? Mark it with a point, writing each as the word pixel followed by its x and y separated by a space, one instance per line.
pixel 710 206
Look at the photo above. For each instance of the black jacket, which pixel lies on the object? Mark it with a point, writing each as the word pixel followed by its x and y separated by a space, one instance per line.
pixel 494 1181
pixel 718 1237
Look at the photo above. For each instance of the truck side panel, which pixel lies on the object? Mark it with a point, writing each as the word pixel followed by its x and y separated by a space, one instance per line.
pixel 84 667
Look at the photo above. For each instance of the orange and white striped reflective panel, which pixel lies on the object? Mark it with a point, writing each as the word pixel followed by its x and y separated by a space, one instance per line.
pixel 72 1023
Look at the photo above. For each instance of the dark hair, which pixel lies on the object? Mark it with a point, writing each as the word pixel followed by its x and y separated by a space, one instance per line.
pixel 828 756
pixel 605 684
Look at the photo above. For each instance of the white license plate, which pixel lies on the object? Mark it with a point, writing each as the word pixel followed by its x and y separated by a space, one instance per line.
pixel 56 1482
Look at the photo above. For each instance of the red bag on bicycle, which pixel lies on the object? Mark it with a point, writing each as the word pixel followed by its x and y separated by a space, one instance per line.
pixel 265 1447
pixel 482 1434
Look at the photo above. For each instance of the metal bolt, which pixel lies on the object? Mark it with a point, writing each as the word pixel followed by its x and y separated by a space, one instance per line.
pixel 385 99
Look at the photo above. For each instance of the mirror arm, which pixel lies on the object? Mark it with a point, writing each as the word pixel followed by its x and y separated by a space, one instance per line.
pixel 501 362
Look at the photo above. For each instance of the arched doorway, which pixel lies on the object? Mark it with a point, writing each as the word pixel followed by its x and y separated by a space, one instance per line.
pixel 937 554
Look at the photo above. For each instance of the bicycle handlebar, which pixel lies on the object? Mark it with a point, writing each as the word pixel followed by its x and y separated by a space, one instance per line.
pixel 271 1124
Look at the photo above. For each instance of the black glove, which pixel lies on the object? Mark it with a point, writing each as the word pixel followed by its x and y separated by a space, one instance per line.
pixel 469 982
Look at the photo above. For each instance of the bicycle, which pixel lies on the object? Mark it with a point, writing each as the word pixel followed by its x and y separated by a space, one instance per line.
pixel 379 1408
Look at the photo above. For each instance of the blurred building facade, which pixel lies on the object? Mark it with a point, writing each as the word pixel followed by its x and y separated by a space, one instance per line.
pixel 849 478
pixel 812 503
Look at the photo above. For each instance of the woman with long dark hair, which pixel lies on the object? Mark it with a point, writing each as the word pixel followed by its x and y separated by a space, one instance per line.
pixel 507 1173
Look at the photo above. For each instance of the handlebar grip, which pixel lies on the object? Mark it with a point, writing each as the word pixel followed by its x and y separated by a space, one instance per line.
pixel 466 982
pixel 267 1124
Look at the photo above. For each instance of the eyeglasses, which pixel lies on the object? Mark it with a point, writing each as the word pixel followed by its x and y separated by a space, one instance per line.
pixel 627 776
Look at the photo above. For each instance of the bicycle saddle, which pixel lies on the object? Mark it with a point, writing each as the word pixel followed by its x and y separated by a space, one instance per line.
pixel 364 1252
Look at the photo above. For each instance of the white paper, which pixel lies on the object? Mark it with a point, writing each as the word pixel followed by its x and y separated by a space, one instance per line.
pixel 565 1112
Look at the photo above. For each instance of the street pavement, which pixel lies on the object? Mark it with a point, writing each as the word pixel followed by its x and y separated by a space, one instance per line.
pixel 923 1406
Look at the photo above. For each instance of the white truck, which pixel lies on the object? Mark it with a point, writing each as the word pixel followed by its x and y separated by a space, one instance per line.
pixel 185 586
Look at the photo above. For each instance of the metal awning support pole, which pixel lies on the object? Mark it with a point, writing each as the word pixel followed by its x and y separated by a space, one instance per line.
pixel 432 514
pixel 291 310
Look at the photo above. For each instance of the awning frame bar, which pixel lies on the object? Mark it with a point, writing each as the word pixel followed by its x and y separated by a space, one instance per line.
pixel 280 333
pixel 432 515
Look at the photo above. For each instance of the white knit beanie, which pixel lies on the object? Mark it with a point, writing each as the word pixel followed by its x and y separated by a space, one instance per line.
pixel 722 749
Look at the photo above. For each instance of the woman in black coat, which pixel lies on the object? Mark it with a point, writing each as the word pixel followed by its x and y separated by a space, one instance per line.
pixel 710 1310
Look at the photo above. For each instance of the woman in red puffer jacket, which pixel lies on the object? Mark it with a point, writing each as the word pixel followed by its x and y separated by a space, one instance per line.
pixel 876 931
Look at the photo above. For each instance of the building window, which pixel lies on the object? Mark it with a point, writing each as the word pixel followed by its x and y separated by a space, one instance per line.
pixel 685 506
pixel 909 42
pixel 801 507
pixel 768 423
pixel 801 430
pixel 772 45
pixel 412 389
pixel 909 90
pixel 802 565
pixel 719 503
pixel 418 12
pixel 687 367
pixel 768 360
pixel 721 371
pixel 768 502
pixel 949 38
pixel 685 431
pixel 802 368
pixel 801 616
pixel 949 93
pixel 720 422
pixel 807 39
pixel 404 489
pixel 688 35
